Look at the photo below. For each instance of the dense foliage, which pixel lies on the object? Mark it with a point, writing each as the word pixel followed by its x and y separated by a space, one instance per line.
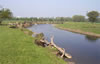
pixel 5 14
pixel 43 18
pixel 93 15
pixel 78 18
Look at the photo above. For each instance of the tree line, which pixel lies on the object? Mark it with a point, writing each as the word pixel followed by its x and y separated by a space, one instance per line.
pixel 93 16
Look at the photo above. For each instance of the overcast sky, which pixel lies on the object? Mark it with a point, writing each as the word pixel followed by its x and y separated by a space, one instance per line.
pixel 50 8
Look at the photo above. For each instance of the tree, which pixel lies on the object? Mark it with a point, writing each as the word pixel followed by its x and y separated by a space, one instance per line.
pixel 98 20
pixel 5 14
pixel 67 19
pixel 0 18
pixel 93 15
pixel 78 18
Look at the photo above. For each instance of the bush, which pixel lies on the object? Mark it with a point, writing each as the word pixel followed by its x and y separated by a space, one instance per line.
pixel 13 26
pixel 78 18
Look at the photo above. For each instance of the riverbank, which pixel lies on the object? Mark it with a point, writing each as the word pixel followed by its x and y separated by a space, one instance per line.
pixel 86 28
pixel 16 47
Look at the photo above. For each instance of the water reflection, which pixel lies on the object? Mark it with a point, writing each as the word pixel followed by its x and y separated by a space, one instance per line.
pixel 91 38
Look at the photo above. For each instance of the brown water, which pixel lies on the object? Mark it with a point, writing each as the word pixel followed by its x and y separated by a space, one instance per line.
pixel 84 49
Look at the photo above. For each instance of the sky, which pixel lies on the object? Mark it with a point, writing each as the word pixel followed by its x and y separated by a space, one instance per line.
pixel 50 8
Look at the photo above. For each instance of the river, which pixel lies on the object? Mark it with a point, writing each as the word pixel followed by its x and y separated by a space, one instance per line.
pixel 84 49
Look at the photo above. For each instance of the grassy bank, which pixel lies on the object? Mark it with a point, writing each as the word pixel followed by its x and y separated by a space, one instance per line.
pixel 16 47
pixel 81 27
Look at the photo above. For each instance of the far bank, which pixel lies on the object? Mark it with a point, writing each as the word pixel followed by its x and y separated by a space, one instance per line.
pixel 86 28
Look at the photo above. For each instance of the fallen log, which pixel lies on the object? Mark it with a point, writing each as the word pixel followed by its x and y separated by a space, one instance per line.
pixel 60 49
pixel 46 42
pixel 63 53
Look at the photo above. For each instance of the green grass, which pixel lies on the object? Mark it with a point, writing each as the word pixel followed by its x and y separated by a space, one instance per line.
pixel 19 48
pixel 83 26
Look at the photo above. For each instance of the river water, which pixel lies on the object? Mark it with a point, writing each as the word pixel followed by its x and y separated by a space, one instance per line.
pixel 84 49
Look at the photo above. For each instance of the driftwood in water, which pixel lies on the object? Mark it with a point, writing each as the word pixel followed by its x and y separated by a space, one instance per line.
pixel 60 49
pixel 41 41
pixel 45 41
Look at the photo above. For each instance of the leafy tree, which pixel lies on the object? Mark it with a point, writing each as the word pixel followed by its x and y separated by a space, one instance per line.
pixel 67 19
pixel 78 18
pixel 93 15
pixel 59 18
pixel 5 14
pixel 34 19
